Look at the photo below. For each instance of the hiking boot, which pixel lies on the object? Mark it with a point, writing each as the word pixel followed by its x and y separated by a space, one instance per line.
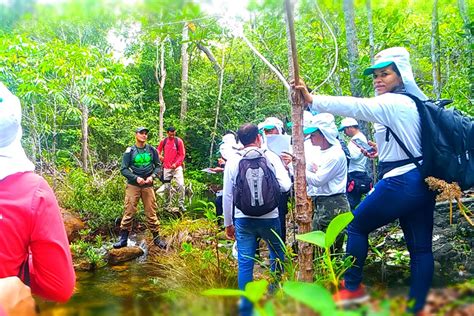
pixel 122 242
pixel 347 297
pixel 159 242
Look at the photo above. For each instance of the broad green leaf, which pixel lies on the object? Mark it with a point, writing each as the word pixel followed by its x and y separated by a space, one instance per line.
pixel 255 290
pixel 313 295
pixel 336 226
pixel 316 238
pixel 268 309
pixel 224 292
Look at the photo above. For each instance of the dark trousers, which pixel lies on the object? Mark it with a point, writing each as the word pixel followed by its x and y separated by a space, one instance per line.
pixel 407 198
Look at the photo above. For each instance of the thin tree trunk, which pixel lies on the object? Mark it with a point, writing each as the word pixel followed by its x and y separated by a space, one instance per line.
pixel 184 73
pixel 218 105
pixel 370 24
pixel 211 57
pixel 303 210
pixel 435 54
pixel 85 136
pixel 352 51
pixel 55 140
pixel 352 43
pixel 469 40
pixel 272 68
pixel 160 77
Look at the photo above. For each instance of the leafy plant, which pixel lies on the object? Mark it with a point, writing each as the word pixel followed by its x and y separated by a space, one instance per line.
pixel 326 240
pixel 254 291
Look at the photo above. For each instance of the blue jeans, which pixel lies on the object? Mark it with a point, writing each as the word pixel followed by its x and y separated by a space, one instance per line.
pixel 247 231
pixel 407 198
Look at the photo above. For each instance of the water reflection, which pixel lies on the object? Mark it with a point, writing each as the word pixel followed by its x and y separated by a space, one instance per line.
pixel 121 290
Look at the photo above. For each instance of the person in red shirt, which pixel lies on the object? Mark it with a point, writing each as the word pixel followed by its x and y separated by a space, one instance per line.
pixel 33 241
pixel 171 152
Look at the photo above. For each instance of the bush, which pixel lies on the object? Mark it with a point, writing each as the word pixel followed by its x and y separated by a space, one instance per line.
pixel 98 199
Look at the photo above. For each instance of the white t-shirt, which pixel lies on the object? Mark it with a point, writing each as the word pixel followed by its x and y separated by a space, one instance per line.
pixel 331 176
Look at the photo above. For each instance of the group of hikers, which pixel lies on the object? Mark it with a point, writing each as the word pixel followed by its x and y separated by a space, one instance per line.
pixel 257 172
pixel 251 212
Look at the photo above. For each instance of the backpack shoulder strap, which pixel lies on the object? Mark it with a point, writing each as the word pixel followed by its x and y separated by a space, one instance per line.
pixel 398 140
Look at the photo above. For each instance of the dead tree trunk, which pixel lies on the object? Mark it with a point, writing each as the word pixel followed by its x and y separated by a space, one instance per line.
pixel 85 135
pixel 160 77
pixel 218 106
pixel 304 212
pixel 435 55
pixel 370 24
pixel 184 72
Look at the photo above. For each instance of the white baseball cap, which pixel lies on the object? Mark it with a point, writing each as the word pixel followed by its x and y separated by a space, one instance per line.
pixel 348 121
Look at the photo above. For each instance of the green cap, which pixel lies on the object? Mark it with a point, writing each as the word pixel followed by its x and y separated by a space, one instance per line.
pixel 371 69
pixel 309 130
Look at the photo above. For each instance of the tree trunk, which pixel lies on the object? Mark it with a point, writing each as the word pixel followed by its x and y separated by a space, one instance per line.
pixel 211 57
pixel 370 23
pixel 435 47
pixel 85 136
pixel 218 106
pixel 184 73
pixel 55 141
pixel 304 212
pixel 160 77
pixel 469 37
pixel 353 56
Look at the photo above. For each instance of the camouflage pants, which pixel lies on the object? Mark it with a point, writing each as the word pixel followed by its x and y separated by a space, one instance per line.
pixel 325 209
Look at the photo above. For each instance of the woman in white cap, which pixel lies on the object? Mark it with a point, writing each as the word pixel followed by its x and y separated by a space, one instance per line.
pixel 401 193
pixel 33 241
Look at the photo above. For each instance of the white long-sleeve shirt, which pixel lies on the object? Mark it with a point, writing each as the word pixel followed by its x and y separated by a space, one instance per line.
pixel 230 174
pixel 331 176
pixel 396 111
pixel 358 160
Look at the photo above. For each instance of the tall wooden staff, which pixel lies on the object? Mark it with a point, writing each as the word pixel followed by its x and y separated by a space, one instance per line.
pixel 303 203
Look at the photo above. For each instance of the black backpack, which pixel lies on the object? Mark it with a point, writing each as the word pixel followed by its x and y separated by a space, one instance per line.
pixel 256 190
pixel 447 143
pixel 346 151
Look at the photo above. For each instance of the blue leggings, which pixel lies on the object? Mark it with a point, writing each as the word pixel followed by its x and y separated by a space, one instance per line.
pixel 407 198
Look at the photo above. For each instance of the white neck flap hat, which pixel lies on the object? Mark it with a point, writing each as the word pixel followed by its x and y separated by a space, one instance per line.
pixel 12 156
pixel 323 122
pixel 401 58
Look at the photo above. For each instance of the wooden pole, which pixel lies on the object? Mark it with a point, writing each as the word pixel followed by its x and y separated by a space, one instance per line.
pixel 304 212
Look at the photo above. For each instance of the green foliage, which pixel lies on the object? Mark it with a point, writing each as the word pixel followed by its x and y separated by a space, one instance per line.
pixel 254 292
pixel 89 252
pixel 99 202
pixel 326 240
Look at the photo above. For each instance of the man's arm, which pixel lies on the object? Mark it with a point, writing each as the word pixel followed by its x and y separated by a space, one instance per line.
pixel 160 149
pixel 51 272
pixel 227 193
pixel 181 153
pixel 281 172
pixel 156 162
pixel 125 167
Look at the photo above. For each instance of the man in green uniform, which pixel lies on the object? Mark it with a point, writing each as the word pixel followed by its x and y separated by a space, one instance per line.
pixel 140 165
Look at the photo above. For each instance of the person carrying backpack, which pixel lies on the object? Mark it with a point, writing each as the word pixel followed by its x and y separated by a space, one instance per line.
pixel 172 152
pixel 358 180
pixel 252 181
pixel 140 165
pixel 401 193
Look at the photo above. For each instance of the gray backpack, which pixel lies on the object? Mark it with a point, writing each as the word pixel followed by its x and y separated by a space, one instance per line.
pixel 256 191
